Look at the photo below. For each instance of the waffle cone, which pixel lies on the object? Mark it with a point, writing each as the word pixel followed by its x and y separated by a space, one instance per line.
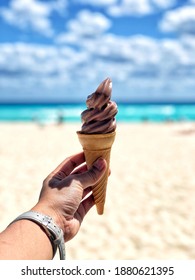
pixel 95 146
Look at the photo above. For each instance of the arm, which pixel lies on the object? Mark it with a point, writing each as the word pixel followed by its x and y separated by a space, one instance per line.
pixel 63 198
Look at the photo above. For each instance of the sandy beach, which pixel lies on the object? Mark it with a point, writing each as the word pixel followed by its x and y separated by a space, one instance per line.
pixel 150 204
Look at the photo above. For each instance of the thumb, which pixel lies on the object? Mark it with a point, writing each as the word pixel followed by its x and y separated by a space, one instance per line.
pixel 94 174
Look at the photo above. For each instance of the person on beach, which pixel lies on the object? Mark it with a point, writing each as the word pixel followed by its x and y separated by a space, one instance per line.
pixel 64 200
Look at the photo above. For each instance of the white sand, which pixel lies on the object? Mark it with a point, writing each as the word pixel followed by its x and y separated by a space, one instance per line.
pixel 150 205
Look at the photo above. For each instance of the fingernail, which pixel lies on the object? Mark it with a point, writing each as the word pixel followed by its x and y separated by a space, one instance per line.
pixel 99 164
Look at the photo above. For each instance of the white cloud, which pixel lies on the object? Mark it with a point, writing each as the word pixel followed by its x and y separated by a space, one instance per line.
pixel 139 7
pixel 59 5
pixel 32 14
pixel 164 4
pixel 130 7
pixel 86 26
pixel 96 3
pixel 38 69
pixel 138 66
pixel 173 53
pixel 37 60
pixel 89 23
pixel 181 20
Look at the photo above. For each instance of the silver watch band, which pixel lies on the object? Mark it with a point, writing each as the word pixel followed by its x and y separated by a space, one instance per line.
pixel 54 233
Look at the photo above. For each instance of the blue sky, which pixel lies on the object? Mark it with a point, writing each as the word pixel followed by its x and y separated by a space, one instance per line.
pixel 61 50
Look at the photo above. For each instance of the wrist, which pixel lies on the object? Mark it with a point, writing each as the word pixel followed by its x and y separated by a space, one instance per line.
pixel 51 229
pixel 25 240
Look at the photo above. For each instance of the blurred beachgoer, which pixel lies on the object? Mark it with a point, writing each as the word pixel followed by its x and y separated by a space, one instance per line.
pixel 60 118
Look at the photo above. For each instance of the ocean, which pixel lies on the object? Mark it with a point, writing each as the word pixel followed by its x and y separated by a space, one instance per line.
pixel 52 113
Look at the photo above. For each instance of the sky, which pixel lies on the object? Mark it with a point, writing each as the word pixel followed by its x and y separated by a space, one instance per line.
pixel 60 50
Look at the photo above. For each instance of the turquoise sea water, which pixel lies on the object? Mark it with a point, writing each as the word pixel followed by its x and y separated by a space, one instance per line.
pixel 71 112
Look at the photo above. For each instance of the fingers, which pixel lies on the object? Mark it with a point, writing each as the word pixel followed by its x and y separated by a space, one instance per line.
pixel 74 167
pixel 86 192
pixel 68 165
pixel 88 203
pixel 82 168
pixel 84 207
pixel 93 175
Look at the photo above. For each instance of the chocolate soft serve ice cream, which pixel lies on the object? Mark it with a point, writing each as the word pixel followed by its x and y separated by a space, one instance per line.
pixel 100 115
pixel 98 133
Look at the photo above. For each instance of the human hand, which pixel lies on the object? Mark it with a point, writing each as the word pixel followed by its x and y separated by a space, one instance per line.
pixel 65 195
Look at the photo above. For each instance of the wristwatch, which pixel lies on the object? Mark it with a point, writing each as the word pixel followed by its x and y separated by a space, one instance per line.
pixel 54 233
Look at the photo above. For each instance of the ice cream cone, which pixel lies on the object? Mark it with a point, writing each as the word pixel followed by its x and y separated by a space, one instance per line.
pixel 95 146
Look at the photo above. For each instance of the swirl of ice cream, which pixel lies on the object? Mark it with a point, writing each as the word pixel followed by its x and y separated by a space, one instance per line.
pixel 100 115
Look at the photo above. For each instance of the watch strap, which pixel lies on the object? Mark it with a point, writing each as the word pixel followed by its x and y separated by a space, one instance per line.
pixel 54 233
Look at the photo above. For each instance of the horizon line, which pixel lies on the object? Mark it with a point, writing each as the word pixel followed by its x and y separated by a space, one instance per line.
pixel 121 102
